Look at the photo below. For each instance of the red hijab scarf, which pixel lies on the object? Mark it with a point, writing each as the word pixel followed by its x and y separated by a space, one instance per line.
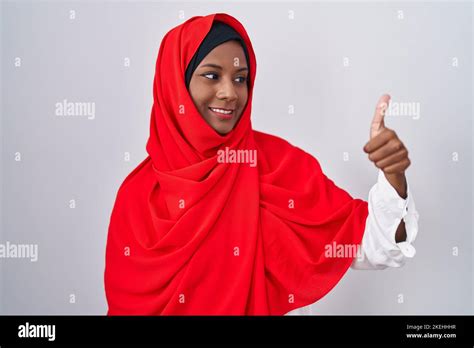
pixel 190 235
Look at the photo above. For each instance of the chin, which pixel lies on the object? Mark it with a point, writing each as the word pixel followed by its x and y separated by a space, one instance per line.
pixel 222 131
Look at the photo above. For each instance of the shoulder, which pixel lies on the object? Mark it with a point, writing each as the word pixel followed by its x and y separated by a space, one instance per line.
pixel 132 187
pixel 267 141
pixel 278 151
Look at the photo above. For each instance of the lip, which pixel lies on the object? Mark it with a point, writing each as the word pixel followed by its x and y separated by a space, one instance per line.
pixel 218 107
pixel 223 116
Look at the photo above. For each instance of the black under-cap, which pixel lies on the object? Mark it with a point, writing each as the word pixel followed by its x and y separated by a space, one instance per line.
pixel 220 32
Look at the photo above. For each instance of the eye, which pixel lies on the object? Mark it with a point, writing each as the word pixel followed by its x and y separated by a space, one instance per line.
pixel 210 74
pixel 243 79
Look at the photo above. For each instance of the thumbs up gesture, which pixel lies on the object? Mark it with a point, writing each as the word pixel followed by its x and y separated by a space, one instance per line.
pixel 386 150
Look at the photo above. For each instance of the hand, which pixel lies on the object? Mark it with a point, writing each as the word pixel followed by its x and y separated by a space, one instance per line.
pixel 386 150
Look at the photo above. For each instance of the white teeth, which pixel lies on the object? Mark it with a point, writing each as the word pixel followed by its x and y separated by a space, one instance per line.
pixel 221 111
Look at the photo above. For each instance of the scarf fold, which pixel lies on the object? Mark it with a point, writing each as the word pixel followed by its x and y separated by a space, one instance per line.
pixel 192 235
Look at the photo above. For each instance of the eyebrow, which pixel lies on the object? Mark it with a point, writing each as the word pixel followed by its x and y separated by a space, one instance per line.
pixel 219 67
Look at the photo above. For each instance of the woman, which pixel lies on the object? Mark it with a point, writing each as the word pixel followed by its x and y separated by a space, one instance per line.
pixel 221 219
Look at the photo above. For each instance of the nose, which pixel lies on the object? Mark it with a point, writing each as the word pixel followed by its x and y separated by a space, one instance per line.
pixel 226 90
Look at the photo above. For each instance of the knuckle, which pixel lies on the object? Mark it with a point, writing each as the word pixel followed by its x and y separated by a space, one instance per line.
pixel 396 145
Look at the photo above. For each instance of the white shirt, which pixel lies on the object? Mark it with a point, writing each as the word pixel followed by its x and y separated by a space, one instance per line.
pixel 379 249
pixel 386 210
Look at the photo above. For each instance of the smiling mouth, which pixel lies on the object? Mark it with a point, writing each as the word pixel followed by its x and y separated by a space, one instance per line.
pixel 222 113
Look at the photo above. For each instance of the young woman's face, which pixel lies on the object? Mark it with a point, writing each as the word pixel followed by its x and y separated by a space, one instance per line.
pixel 220 82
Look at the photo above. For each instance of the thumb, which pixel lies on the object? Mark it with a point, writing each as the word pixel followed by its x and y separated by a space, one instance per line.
pixel 378 123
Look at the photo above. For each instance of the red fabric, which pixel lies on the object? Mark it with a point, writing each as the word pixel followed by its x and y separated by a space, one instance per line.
pixel 191 236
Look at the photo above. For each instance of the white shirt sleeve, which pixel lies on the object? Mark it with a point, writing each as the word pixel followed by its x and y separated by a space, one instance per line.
pixel 379 249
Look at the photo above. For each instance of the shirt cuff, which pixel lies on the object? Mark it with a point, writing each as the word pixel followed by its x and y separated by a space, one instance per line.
pixel 396 208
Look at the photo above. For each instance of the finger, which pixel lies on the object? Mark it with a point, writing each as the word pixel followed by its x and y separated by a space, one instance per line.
pixel 378 120
pixel 379 140
pixel 386 150
pixel 392 159
pixel 398 168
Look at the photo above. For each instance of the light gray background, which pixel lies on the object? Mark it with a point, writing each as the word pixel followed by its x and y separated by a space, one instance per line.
pixel 300 63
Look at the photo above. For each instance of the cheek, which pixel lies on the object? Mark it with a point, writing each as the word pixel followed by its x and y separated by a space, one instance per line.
pixel 200 93
pixel 243 97
pixel 205 100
